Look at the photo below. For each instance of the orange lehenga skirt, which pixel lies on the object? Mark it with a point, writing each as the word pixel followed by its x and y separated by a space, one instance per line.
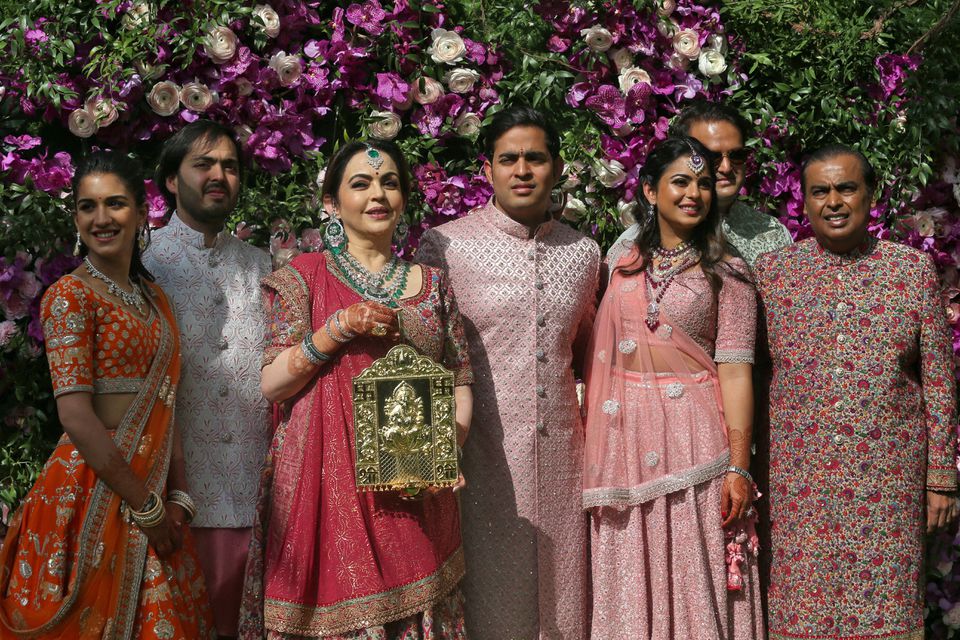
pixel 73 566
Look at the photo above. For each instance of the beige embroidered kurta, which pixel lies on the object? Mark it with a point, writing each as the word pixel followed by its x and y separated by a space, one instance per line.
pixel 528 305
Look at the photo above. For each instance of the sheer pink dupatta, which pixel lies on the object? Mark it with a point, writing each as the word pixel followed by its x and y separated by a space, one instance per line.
pixel 654 421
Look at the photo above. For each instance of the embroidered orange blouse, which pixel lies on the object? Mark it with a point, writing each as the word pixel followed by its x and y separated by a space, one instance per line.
pixel 93 343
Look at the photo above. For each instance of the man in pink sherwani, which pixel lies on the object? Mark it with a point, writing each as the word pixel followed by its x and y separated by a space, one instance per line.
pixel 526 286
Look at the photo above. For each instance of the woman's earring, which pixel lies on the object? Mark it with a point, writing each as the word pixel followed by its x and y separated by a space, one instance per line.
pixel 334 237
pixel 401 232
pixel 77 245
pixel 651 210
pixel 143 238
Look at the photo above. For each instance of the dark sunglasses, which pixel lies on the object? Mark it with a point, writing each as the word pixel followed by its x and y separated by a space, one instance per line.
pixel 737 157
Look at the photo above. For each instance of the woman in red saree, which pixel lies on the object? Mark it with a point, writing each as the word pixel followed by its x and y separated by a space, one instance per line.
pixel 74 563
pixel 669 412
pixel 327 561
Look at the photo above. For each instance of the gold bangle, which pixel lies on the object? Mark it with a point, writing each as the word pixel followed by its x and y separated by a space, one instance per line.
pixel 183 499
pixel 151 514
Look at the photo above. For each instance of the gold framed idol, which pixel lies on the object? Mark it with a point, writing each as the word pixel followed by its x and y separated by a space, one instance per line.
pixel 404 420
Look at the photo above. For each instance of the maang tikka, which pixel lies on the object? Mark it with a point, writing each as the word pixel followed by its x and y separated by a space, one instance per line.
pixel 374 158
pixel 696 162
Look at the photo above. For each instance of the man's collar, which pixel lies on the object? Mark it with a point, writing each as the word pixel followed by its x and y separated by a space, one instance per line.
pixel 191 236
pixel 511 227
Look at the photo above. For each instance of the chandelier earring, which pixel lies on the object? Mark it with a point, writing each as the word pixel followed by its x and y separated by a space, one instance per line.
pixel 77 245
pixel 401 232
pixel 143 238
pixel 334 236
pixel 651 210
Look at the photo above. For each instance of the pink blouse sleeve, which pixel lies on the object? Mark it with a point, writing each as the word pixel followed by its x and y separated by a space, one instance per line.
pixel 736 314
pixel 68 331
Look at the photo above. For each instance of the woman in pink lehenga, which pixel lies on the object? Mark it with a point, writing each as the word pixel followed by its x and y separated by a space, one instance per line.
pixel 669 410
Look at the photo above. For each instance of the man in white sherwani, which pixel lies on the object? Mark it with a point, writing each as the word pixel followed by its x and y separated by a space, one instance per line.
pixel 213 281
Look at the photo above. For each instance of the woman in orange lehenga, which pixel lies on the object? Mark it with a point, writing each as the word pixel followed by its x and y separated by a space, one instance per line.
pixel 100 547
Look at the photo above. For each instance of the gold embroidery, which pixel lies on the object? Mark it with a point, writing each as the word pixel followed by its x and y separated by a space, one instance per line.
pixel 146 442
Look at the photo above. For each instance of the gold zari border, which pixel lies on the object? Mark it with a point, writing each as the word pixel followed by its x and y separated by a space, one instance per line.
pixel 368 611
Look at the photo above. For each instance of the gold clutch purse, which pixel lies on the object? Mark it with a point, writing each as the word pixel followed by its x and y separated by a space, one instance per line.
pixel 404 423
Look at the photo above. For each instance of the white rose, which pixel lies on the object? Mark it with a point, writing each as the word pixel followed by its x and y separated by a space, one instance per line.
pixel 628 213
pixel 598 38
pixel 575 209
pixel 103 110
pixel 164 98
pixel 461 80
pixel 447 47
pixel 610 173
pixel 149 71
pixel 269 19
pixel 82 123
pixel 220 44
pixel 196 96
pixel 621 58
pixel 287 67
pixel 666 7
pixel 243 133
pixel 711 63
pixel 900 122
pixel 244 86
pixel 431 92
pixel 321 176
pixel 386 126
pixel 687 43
pixel 668 28
pixel 630 76
pixel 467 124
pixel 138 15
pixel 717 42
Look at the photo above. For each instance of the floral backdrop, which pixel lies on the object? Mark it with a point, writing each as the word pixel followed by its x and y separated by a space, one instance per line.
pixel 295 79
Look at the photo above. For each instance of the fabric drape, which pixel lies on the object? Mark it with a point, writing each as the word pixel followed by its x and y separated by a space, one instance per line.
pixel 71 565
pixel 326 558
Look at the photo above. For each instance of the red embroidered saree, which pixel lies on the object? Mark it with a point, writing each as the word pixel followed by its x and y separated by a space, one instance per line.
pixel 326 559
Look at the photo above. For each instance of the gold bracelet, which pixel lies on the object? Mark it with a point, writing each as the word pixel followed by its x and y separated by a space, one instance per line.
pixel 151 514
pixel 183 499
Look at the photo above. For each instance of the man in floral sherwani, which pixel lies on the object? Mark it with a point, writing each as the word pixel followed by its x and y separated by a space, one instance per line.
pixel 863 417
pixel 526 286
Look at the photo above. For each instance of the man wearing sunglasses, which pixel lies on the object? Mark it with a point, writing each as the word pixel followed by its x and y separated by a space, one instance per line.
pixel 724 131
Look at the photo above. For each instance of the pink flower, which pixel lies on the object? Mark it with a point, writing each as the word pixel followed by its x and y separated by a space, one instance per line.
pixel 8 329
pixel 609 105
pixel 18 287
pixel 368 16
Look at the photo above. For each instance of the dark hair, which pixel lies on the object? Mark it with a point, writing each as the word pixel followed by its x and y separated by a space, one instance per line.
pixel 520 116
pixel 338 164
pixel 707 236
pixel 178 146
pixel 130 172
pixel 832 151
pixel 704 111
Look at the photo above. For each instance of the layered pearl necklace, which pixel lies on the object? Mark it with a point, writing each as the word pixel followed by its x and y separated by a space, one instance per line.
pixel 384 286
pixel 132 298
pixel 664 266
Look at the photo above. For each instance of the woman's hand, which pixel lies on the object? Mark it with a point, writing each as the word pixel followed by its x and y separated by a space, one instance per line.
pixel 165 538
pixel 735 498
pixel 369 318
